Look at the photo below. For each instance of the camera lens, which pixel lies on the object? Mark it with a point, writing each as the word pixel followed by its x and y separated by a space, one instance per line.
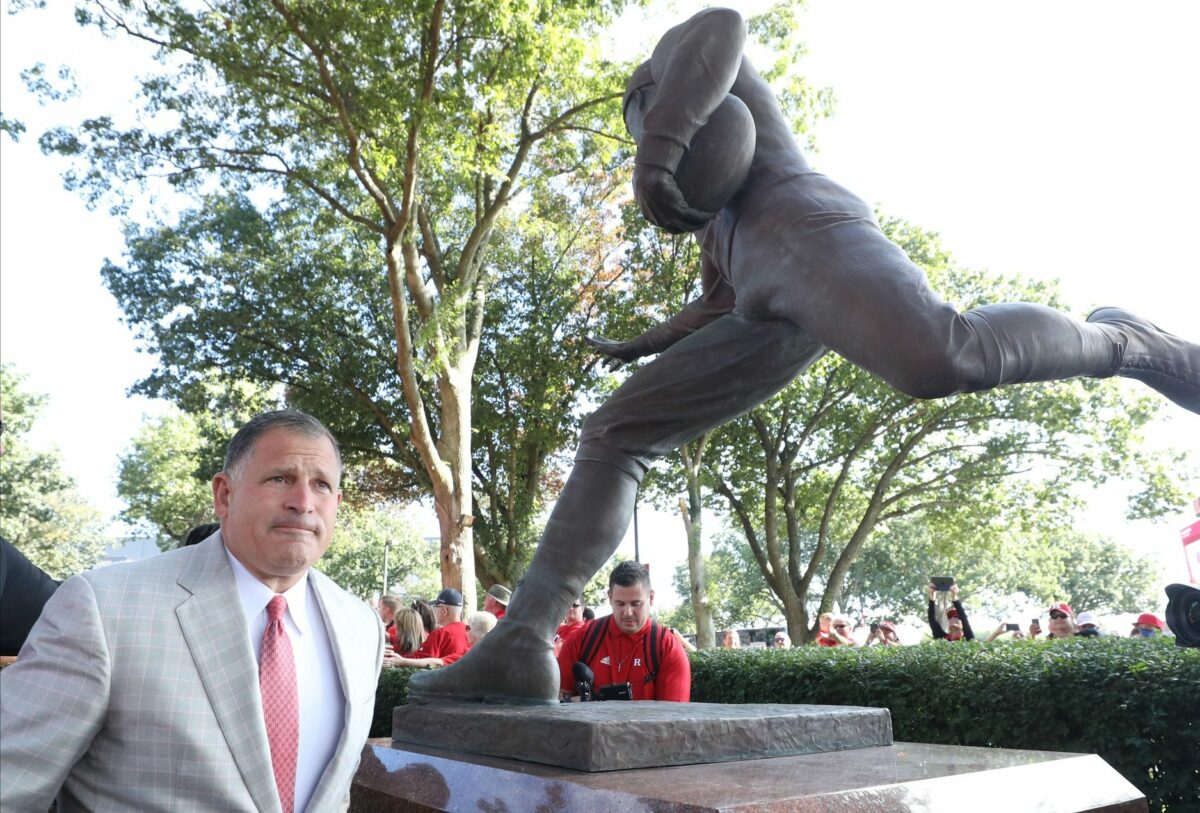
pixel 1183 614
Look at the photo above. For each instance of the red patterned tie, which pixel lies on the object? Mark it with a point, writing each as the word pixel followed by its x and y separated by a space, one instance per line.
pixel 281 702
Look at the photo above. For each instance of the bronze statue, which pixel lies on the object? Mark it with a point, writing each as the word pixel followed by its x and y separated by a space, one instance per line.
pixel 793 265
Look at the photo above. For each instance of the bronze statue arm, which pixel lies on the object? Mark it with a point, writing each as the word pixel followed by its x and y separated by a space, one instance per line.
pixel 717 300
pixel 694 65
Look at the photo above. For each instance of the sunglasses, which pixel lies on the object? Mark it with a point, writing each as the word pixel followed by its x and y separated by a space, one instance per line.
pixel 1057 614
pixel 575 604
pixel 839 626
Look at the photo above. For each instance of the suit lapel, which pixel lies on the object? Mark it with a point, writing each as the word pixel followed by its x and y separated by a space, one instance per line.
pixel 214 627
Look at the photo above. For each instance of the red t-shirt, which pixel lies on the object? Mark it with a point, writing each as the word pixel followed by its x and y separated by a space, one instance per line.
pixel 565 631
pixel 448 640
pixel 621 658
pixel 451 658
pixel 826 639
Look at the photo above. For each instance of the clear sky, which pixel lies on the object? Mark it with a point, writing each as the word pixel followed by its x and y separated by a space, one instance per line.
pixel 1057 140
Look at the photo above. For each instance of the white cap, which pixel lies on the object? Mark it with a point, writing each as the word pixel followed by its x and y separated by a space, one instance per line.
pixel 1086 618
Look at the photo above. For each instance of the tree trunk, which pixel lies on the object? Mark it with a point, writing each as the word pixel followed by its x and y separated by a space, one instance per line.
pixel 693 454
pixel 455 507
pixel 706 635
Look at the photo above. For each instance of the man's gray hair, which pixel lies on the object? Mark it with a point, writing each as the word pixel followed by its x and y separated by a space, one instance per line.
pixel 293 420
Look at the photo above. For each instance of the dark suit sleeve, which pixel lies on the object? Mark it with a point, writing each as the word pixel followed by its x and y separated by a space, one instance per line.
pixel 24 590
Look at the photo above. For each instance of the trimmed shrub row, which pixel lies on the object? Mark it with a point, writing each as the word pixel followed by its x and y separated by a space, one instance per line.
pixel 1135 702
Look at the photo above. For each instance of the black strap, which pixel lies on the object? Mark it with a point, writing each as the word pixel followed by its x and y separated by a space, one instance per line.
pixel 652 654
pixel 592 641
pixel 651 644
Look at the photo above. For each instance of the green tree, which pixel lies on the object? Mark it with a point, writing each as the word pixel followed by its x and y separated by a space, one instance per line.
pixel 533 363
pixel 810 476
pixel 737 593
pixel 158 480
pixel 1100 575
pixel 393 138
pixel 364 535
pixel 40 511
pixel 1000 561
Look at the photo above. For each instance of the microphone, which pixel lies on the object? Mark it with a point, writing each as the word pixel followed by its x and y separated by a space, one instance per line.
pixel 583 680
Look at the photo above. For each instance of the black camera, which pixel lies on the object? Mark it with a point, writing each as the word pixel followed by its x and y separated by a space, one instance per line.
pixel 614 691
pixel 1183 613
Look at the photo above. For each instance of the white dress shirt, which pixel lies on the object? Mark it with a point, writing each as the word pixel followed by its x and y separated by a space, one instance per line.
pixel 322 701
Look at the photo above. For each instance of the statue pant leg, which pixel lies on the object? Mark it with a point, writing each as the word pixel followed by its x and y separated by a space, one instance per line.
pixel 712 376
pixel 860 295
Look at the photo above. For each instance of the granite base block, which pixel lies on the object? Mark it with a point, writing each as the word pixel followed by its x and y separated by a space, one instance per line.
pixel 619 736
pixel 893 779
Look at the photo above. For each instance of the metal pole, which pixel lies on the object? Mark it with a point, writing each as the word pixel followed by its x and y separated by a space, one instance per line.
pixel 637 556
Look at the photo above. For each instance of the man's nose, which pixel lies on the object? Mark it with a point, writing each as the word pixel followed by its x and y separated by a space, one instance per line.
pixel 300 498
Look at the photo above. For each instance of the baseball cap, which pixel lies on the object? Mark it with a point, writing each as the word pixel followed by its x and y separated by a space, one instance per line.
pixel 501 593
pixel 1150 619
pixel 1061 607
pixel 450 597
pixel 1086 618
pixel 952 613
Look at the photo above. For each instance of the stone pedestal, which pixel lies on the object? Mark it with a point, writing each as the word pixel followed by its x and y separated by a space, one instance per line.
pixel 618 736
pixel 889 779
pixel 650 757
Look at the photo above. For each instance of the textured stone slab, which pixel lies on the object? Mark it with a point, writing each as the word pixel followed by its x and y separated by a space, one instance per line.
pixel 621 735
pixel 902 778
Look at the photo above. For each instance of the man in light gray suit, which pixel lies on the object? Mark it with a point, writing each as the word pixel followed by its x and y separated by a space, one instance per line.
pixel 140 687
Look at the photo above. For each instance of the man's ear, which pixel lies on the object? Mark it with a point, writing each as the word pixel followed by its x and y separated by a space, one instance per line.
pixel 651 597
pixel 221 485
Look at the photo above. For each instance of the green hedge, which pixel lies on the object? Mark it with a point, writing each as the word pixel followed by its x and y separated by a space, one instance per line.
pixel 1135 702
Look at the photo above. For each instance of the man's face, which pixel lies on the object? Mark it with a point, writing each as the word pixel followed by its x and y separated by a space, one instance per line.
pixel 443 614
pixel 575 612
pixel 385 614
pixel 630 606
pixel 955 625
pixel 1060 625
pixel 491 605
pixel 277 513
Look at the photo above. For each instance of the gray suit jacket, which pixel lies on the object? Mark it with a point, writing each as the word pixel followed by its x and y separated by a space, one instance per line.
pixel 138 690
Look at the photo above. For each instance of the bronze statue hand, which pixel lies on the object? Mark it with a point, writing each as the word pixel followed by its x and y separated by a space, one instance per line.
pixel 618 352
pixel 663 204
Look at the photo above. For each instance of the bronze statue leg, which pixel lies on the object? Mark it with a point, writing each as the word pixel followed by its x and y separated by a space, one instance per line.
pixel 859 294
pixel 701 382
